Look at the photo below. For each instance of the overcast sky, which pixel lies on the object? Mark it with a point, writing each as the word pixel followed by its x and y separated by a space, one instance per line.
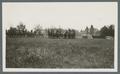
pixel 76 15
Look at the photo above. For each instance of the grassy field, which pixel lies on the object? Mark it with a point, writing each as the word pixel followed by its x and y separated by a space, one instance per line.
pixel 59 53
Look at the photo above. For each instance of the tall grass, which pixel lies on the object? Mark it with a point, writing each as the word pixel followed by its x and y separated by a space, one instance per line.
pixel 59 53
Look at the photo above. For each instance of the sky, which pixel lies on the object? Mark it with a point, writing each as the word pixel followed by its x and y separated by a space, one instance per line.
pixel 76 15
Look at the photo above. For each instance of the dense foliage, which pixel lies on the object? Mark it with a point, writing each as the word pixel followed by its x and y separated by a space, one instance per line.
pixel 21 31
pixel 107 31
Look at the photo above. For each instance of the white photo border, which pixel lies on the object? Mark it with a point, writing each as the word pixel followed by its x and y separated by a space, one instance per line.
pixel 59 70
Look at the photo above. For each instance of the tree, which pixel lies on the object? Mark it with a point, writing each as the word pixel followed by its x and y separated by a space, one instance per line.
pixel 91 30
pixel 104 31
pixel 38 30
pixel 107 31
pixel 111 30
pixel 87 30
pixel 12 32
pixel 21 29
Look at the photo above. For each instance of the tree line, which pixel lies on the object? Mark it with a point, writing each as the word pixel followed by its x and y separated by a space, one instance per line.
pixel 103 32
pixel 21 31
pixel 107 31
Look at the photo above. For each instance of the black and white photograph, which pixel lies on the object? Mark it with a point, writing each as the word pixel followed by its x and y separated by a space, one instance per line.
pixel 59 36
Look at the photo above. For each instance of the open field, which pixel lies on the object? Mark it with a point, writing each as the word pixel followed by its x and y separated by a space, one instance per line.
pixel 59 53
